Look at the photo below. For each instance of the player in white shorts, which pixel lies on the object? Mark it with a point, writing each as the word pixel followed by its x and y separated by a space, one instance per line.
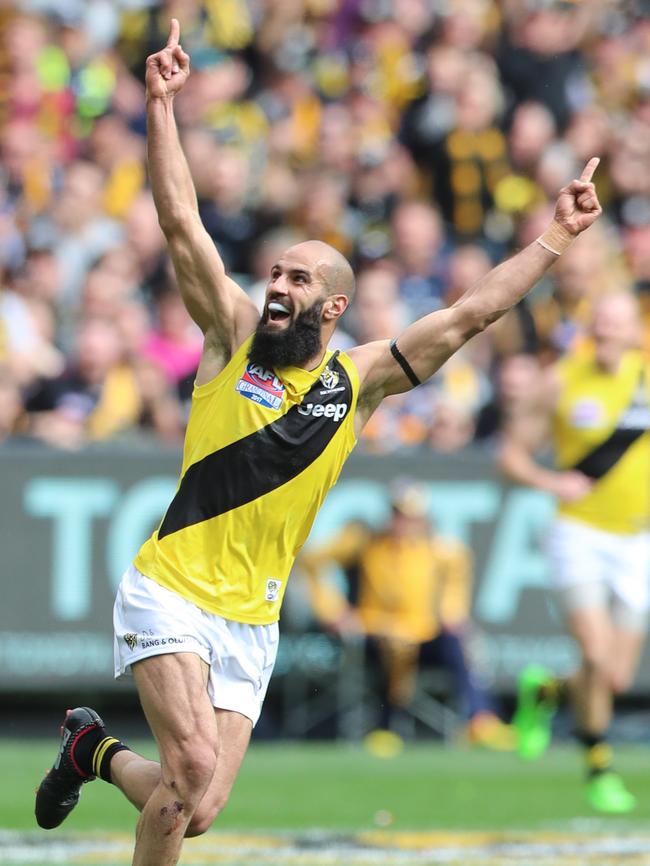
pixel 596 402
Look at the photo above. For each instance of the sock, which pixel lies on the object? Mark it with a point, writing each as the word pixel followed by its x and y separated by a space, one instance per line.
pixel 92 752
pixel 598 753
pixel 552 691
pixel 103 753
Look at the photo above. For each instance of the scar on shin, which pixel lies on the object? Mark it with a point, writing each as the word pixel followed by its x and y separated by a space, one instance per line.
pixel 174 812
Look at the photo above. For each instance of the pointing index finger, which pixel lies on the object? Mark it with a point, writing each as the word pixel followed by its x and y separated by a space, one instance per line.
pixel 589 169
pixel 174 33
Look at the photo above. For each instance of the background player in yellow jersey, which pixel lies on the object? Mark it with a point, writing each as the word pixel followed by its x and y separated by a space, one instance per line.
pixel 596 405
pixel 274 415
pixel 409 596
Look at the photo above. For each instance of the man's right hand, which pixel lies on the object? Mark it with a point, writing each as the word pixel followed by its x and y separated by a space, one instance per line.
pixel 167 70
pixel 571 485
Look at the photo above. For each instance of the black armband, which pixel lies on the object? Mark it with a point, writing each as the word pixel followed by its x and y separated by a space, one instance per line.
pixel 404 364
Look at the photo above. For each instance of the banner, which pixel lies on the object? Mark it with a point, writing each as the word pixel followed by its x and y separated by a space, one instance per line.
pixel 71 523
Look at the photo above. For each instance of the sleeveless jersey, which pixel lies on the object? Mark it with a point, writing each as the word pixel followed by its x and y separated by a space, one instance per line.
pixel 602 428
pixel 262 449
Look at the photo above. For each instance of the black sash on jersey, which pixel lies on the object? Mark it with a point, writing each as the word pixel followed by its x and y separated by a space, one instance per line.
pixel 265 459
pixel 598 462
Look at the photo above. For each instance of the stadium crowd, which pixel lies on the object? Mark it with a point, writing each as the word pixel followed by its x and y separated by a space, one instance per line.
pixel 425 139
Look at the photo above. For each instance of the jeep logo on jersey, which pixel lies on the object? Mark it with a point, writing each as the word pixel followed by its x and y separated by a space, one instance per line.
pixel 335 411
pixel 261 386
pixel 329 378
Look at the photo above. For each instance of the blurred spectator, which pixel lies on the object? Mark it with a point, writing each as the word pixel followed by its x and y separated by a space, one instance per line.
pixel 175 344
pixel 160 412
pixel 378 312
pixel 409 597
pixel 470 158
pixel 94 399
pixel 28 327
pixel 76 229
pixel 538 57
pixel 589 269
pixel 532 130
pixel 143 247
pixel 517 384
pixel 420 254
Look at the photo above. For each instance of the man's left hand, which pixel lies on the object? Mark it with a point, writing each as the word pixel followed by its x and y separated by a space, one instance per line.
pixel 577 205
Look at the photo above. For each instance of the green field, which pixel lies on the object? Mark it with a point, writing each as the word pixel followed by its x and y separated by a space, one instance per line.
pixel 324 796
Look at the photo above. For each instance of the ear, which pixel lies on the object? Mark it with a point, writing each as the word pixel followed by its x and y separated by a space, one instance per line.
pixel 335 306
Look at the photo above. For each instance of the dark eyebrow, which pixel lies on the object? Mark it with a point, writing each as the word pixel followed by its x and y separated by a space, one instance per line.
pixel 293 271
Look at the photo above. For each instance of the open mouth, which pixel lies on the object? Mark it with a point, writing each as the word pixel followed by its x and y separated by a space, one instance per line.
pixel 277 312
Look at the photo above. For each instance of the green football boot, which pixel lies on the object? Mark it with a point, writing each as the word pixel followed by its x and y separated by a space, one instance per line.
pixel 533 715
pixel 607 793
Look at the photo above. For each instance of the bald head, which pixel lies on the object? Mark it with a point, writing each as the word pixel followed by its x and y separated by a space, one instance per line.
pixel 615 326
pixel 618 313
pixel 329 264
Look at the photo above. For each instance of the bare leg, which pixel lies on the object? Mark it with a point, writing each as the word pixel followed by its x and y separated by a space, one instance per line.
pixel 174 699
pixel 234 736
pixel 624 659
pixel 590 687
pixel 138 777
pixel 135 776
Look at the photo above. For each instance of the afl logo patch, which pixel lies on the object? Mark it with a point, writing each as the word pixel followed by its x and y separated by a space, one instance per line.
pixel 261 386
pixel 329 378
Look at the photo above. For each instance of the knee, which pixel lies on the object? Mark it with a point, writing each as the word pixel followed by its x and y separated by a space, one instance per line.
pixel 205 816
pixel 189 769
pixel 594 661
pixel 620 681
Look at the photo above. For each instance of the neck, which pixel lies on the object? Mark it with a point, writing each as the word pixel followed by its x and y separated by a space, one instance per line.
pixel 609 364
pixel 313 362
pixel 316 361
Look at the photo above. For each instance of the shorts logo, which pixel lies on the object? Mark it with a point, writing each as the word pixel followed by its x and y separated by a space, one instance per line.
pixel 131 641
pixel 261 386
pixel 272 589
pixel 329 378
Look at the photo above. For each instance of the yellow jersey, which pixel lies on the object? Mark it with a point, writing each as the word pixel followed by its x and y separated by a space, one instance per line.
pixel 262 449
pixel 411 587
pixel 402 588
pixel 602 428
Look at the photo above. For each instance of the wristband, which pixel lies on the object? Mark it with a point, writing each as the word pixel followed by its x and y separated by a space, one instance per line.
pixel 556 239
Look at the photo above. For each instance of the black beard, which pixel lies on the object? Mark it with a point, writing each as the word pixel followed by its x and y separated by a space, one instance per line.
pixel 293 346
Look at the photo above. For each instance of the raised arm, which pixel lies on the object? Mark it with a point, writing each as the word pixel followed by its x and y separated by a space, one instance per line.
pixel 218 305
pixel 426 344
pixel 522 436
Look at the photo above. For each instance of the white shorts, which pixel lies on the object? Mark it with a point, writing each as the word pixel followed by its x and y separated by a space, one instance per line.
pixel 591 567
pixel 150 620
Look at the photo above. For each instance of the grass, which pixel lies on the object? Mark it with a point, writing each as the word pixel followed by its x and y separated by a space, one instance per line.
pixel 343 788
